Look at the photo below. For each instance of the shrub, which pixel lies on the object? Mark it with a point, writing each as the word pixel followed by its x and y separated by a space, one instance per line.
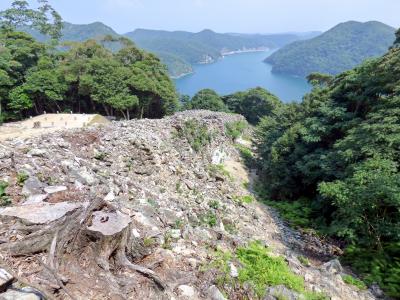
pixel 296 213
pixel 21 178
pixel 218 170
pixel 235 129
pixel 196 133
pixel 213 204
pixel 247 199
pixel 304 261
pixel 354 281
pixel 209 219
pixel 246 154
pixel 4 198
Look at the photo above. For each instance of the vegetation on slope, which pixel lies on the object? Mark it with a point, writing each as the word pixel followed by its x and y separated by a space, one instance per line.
pixel 87 78
pixel 338 151
pixel 339 49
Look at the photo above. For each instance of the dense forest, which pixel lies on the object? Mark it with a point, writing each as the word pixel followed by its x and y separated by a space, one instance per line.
pixel 337 50
pixel 85 78
pixel 331 162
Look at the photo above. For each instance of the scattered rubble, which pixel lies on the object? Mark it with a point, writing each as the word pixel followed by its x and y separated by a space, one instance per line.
pixel 130 211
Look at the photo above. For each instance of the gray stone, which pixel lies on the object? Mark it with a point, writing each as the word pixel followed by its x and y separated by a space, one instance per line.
pixel 333 267
pixel 34 199
pixel 234 271
pixel 175 233
pixel 41 213
pixel 282 292
pixel 20 295
pixel 214 293
pixel 32 186
pixel 5 279
pixel 37 152
pixel 187 291
pixel 55 189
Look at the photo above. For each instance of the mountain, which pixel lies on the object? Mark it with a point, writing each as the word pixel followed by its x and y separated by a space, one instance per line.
pixel 203 47
pixel 340 48
pixel 179 50
pixel 75 32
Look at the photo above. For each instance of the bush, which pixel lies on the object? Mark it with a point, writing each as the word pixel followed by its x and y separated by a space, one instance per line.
pixel 196 133
pixel 354 281
pixel 296 213
pixel 235 129
pixel 4 199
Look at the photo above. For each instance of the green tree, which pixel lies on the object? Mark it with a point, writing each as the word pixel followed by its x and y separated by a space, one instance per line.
pixel 45 18
pixel 207 99
pixel 252 104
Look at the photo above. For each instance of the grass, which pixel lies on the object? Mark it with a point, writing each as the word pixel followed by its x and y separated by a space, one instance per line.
pixel 148 242
pixel 304 261
pixel 100 156
pixel 4 198
pixel 209 219
pixel 259 270
pixel 247 199
pixel 354 281
pixel 196 133
pixel 218 170
pixel 21 178
pixel 246 154
pixel 235 129
pixel 213 204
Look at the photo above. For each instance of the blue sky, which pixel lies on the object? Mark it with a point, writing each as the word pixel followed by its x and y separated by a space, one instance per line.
pixel 247 16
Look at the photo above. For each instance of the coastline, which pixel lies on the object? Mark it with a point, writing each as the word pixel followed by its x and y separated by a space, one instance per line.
pixel 223 54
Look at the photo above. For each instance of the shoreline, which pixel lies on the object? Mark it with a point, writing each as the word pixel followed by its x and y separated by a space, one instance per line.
pixel 221 57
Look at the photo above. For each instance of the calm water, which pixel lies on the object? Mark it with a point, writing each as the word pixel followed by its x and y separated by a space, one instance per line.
pixel 240 72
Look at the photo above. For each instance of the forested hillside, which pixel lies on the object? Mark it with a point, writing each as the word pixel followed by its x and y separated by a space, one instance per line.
pixel 339 49
pixel 87 78
pixel 332 163
pixel 74 32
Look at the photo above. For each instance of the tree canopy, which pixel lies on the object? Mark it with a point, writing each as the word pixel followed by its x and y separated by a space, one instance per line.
pixel 339 149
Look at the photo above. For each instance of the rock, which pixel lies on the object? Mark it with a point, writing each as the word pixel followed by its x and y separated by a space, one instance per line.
pixel 55 189
pixel 234 271
pixel 32 186
pixel 110 196
pixel 282 292
pixel 213 293
pixel 23 294
pixel 5 279
pixel 85 177
pixel 37 152
pixel 175 233
pixel 333 267
pixel 187 291
pixel 34 199
pixel 41 213
pixel 376 291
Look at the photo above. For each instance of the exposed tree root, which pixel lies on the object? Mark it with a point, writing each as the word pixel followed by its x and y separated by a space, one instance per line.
pixel 100 228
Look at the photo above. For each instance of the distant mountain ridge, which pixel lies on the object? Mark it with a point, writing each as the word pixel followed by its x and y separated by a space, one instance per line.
pixel 205 46
pixel 179 50
pixel 338 49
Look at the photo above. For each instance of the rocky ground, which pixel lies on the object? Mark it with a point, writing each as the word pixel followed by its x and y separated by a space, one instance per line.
pixel 130 211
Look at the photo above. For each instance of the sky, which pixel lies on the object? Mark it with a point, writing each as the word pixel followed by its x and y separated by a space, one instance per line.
pixel 244 16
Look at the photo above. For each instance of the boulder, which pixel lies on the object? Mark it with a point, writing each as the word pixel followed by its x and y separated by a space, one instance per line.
pixel 214 293
pixel 5 279
pixel 41 213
